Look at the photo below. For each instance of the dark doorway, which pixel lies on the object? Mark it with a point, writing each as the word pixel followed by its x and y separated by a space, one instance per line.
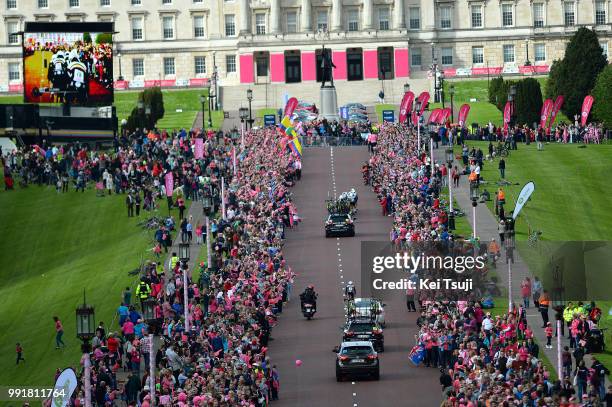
pixel 354 64
pixel 293 71
pixel 385 63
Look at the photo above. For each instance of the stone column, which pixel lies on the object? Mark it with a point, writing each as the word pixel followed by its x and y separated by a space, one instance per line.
pixel 275 16
pixel 336 15
pixel 306 16
pixel 245 12
pixel 398 17
pixel 367 14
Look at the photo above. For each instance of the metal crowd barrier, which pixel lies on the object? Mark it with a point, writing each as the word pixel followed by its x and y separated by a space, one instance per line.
pixel 327 141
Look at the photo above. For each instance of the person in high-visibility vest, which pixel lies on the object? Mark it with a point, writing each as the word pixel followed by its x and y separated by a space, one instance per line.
pixel 173 261
pixel 501 196
pixel 544 304
pixel 143 290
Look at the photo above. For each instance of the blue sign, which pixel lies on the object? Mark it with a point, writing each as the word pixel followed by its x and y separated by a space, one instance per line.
pixel 388 116
pixel 343 113
pixel 269 120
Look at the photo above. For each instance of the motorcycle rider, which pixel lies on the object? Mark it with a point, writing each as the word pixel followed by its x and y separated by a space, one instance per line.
pixel 350 291
pixel 308 297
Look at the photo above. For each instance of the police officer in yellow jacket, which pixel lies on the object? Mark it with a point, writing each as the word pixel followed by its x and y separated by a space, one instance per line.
pixel 143 291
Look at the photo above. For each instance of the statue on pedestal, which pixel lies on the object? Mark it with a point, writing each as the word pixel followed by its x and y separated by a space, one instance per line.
pixel 326 68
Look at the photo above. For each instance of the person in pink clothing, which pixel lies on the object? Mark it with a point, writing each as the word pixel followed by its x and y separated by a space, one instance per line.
pixel 526 291
pixel 128 328
pixel 59 332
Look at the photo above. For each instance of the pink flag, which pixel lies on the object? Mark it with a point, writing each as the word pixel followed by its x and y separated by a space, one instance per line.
pixel 199 148
pixel 290 107
pixel 423 98
pixel 586 109
pixel 169 178
pixel 555 109
pixel 406 106
pixel 507 113
pixel 546 109
pixel 445 115
pixel 463 113
pixel 435 114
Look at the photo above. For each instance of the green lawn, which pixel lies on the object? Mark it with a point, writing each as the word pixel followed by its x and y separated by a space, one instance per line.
pixel 55 246
pixel 181 107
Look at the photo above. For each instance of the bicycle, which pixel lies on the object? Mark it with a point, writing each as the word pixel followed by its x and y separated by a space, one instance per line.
pixel 534 237
pixel 502 151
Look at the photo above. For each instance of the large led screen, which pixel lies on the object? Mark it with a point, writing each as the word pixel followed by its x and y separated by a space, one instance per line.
pixel 68 67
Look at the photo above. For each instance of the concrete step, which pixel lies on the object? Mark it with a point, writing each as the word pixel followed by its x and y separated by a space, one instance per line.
pixel 272 95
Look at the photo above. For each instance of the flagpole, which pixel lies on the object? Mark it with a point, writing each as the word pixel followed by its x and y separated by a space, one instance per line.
pixel 223 197
pixel 234 159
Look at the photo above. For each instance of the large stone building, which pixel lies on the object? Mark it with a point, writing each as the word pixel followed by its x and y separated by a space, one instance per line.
pixel 274 46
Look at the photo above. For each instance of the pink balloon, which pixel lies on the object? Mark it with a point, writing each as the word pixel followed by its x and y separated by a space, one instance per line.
pixel 298 362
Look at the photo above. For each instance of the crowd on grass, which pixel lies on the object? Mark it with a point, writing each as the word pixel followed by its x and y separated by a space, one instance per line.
pixel 484 359
pixel 233 303
pixel 222 360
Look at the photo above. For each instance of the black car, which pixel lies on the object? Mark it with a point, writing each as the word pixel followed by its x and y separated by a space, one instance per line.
pixel 356 359
pixel 364 330
pixel 339 224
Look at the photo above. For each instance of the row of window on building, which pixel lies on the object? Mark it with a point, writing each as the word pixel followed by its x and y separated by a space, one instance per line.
pixel 352 22
pixel 12 4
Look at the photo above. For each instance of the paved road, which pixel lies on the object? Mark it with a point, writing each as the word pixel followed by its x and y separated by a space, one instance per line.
pixel 328 263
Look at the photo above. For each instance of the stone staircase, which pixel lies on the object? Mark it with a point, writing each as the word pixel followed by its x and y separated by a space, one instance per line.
pixel 272 95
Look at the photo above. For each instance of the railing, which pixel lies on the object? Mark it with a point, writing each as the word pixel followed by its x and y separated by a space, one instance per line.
pixel 327 141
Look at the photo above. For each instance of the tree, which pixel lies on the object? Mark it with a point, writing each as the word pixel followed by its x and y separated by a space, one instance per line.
pixel 528 102
pixel 87 38
pixel 152 99
pixel 104 38
pixel 494 86
pixel 574 76
pixel 602 91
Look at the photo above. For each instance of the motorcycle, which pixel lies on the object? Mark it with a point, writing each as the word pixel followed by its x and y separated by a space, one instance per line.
pixel 309 310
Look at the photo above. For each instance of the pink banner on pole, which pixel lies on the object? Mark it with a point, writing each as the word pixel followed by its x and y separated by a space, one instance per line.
pixel 339 59
pixel 586 109
pixel 246 68
pixel 545 112
pixel 423 98
pixel 433 117
pixel 277 67
pixel 370 64
pixel 406 106
pixel 169 178
pixel 415 117
pixel 199 148
pixel 507 113
pixel 463 113
pixel 446 114
pixel 290 107
pixel 555 109
pixel 309 65
pixel 402 67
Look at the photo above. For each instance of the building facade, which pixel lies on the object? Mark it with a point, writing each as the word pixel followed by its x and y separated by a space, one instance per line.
pixel 277 44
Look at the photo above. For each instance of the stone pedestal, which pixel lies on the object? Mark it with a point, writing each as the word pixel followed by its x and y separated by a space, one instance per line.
pixel 329 103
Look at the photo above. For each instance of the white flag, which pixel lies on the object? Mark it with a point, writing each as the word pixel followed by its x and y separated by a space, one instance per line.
pixel 523 197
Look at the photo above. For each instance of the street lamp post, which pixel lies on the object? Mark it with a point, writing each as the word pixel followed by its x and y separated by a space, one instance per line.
pixel 153 323
pixel 120 78
pixel 452 93
pixel 243 112
pixel 85 320
pixel 527 62
pixel 474 195
pixel 417 109
pixel 250 99
pixel 451 215
pixel 184 257
pixel 509 242
pixel 203 101
pixel 441 87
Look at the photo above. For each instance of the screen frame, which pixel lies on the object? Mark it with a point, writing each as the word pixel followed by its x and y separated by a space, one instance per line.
pixel 32 27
